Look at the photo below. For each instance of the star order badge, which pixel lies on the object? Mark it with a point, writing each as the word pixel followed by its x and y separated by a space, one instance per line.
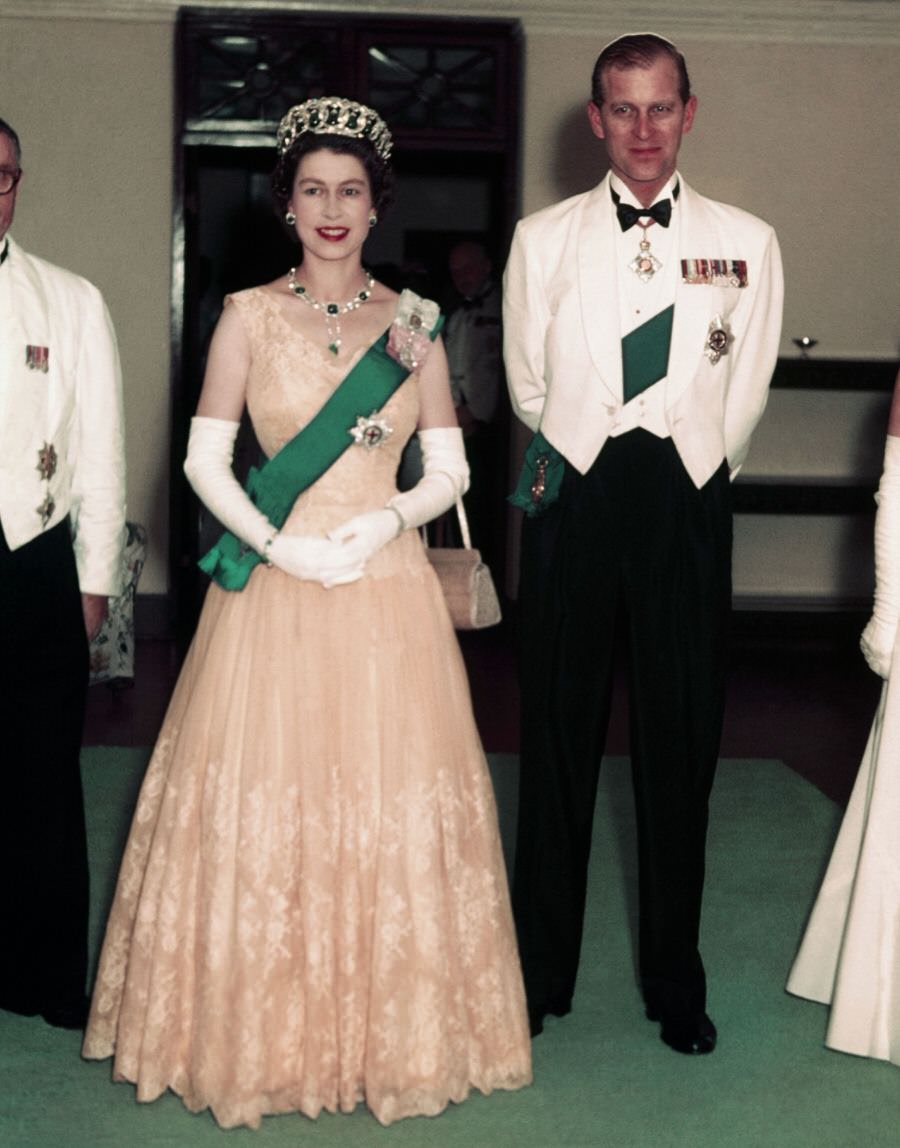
pixel 370 432
pixel 45 510
pixel 47 460
pixel 717 340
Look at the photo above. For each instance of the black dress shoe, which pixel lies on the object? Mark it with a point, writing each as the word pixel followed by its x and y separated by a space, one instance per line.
pixel 691 1033
pixel 71 1014
pixel 536 1016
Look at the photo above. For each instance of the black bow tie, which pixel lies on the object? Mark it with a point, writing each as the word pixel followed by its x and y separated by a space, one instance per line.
pixel 4 253
pixel 660 213
pixel 628 215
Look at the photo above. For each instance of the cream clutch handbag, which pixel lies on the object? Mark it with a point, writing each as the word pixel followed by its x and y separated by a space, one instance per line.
pixel 466 581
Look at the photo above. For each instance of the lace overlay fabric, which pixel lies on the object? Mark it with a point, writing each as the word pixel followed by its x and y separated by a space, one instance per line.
pixel 312 909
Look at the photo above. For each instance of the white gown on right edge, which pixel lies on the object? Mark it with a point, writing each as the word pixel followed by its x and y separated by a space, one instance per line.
pixel 850 953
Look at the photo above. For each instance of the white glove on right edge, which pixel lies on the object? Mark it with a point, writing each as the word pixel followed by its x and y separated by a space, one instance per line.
pixel 445 477
pixel 877 641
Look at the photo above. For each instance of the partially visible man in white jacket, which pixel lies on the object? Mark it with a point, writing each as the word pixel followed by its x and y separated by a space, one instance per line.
pixel 62 522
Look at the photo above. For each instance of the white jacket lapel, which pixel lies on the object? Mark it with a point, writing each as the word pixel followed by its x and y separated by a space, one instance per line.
pixel 598 289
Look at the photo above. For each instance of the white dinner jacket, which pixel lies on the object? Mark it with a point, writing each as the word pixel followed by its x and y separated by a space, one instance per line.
pixel 562 342
pixel 75 407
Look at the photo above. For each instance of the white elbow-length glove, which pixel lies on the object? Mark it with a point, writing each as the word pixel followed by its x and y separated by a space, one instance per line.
pixel 208 467
pixel 877 641
pixel 445 478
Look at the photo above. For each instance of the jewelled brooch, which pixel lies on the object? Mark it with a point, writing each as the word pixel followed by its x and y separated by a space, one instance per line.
pixel 717 340
pixel 371 432
pixel 408 341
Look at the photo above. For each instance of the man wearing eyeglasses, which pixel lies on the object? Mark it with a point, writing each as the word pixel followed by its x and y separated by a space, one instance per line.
pixel 62 517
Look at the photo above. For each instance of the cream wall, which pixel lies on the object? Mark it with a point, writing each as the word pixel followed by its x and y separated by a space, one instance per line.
pixel 801 133
pixel 92 103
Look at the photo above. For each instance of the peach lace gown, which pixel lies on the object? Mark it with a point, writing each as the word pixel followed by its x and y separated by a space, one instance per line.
pixel 312 909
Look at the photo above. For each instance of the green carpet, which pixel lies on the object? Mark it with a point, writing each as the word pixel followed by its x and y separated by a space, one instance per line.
pixel 602 1077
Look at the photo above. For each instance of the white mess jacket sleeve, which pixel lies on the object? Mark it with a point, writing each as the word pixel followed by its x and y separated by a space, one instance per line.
pixel 756 326
pixel 526 316
pixel 97 455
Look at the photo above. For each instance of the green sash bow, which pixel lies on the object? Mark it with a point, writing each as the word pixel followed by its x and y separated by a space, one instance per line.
pixel 278 483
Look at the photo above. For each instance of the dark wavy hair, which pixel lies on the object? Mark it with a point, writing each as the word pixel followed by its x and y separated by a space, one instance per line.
pixel 638 52
pixel 379 171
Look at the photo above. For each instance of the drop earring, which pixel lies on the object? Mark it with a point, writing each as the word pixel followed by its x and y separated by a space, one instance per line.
pixel 289 218
pixel 373 219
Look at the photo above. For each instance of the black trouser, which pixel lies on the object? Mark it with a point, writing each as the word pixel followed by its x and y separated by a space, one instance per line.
pixel 487 485
pixel 631 543
pixel 43 852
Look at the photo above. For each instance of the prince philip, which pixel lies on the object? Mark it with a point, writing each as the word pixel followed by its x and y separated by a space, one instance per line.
pixel 62 519
pixel 641 323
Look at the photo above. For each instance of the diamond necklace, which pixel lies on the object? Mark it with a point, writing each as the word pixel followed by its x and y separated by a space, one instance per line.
pixel 332 311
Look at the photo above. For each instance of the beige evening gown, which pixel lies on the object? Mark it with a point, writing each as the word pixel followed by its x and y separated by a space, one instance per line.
pixel 312 909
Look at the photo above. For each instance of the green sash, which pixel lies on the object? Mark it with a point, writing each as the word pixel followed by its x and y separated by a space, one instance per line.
pixel 278 483
pixel 645 360
pixel 645 354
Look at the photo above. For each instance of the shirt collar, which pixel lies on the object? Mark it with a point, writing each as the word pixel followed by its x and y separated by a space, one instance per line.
pixel 626 195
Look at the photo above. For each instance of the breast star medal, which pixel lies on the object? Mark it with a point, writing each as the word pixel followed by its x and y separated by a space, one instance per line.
pixel 717 340
pixel 46 509
pixel 46 466
pixel 370 432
